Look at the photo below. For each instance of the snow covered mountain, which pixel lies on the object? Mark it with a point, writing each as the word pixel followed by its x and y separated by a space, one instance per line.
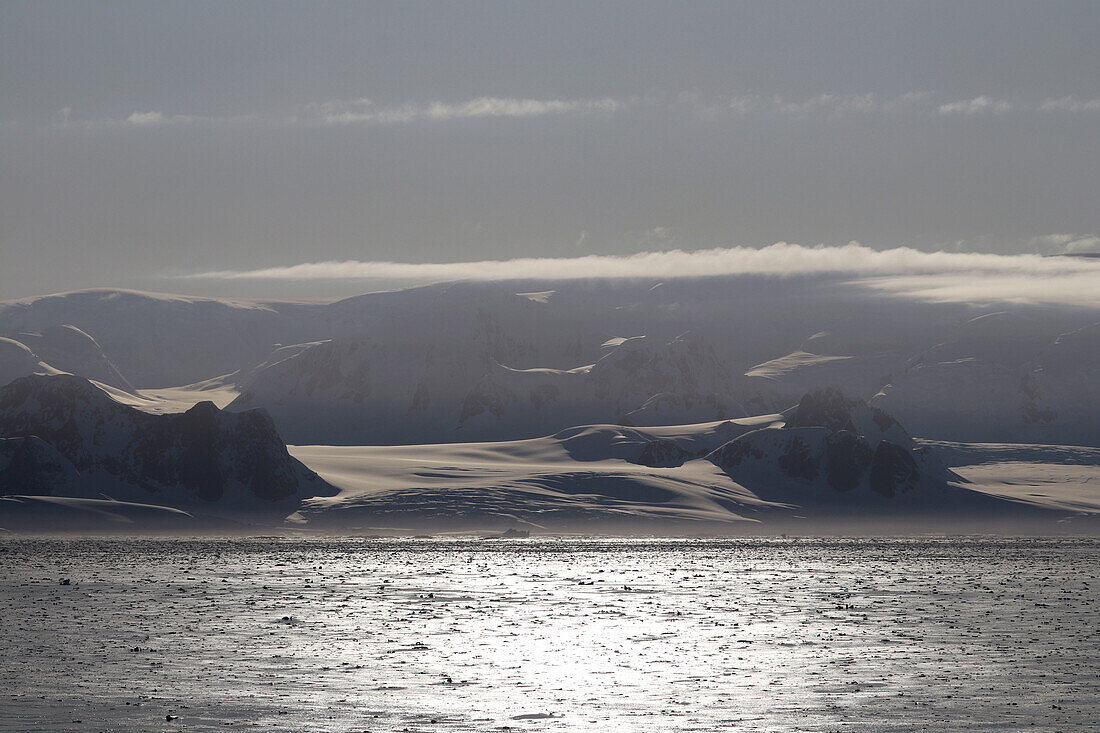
pixel 834 449
pixel 58 349
pixel 828 458
pixel 637 381
pixel 160 340
pixel 504 360
pixel 62 435
pixel 16 360
pixel 453 387
pixel 1001 382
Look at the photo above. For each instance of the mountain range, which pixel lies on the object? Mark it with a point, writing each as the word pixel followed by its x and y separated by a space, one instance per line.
pixel 500 363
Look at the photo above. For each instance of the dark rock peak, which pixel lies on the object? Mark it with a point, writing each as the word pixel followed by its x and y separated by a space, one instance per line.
pixel 826 408
pixel 829 408
pixel 206 407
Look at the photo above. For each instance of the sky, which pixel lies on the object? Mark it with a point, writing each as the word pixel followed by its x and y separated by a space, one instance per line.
pixel 228 148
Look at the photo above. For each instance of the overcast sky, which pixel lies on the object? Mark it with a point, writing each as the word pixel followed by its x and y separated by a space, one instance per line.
pixel 147 141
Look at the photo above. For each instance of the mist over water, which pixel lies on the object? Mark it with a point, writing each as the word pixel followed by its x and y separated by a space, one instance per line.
pixel 549 634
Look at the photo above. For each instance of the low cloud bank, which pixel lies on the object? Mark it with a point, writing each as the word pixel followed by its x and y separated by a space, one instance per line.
pixel 931 275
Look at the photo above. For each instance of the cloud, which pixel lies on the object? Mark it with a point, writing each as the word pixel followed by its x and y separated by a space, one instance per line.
pixel 364 111
pixel 1045 244
pixel 1066 243
pixel 832 104
pixel 841 105
pixel 822 105
pixel 657 238
pixel 1084 245
pixel 1070 104
pixel 1078 288
pixel 361 111
pixel 827 105
pixel 345 112
pixel 145 119
pixel 905 271
pixel 977 105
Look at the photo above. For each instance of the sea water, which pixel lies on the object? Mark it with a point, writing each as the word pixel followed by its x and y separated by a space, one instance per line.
pixel 549 634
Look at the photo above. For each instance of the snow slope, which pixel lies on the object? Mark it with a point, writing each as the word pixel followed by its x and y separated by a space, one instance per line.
pixel 1056 476
pixel 831 460
pixel 581 476
pixel 52 514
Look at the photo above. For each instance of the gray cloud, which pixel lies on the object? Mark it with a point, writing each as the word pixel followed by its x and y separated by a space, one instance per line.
pixel 1067 243
pixel 147 119
pixel 1070 104
pixel 827 105
pixel 367 111
pixel 364 110
pixel 977 105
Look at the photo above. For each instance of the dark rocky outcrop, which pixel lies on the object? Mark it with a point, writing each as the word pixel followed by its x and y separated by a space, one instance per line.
pixel 826 408
pixel 893 470
pixel 733 453
pixel 202 455
pixel 847 457
pixel 798 461
pixel 662 454
pixel 829 408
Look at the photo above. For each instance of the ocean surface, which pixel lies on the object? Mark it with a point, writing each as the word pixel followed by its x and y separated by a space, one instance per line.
pixel 549 634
